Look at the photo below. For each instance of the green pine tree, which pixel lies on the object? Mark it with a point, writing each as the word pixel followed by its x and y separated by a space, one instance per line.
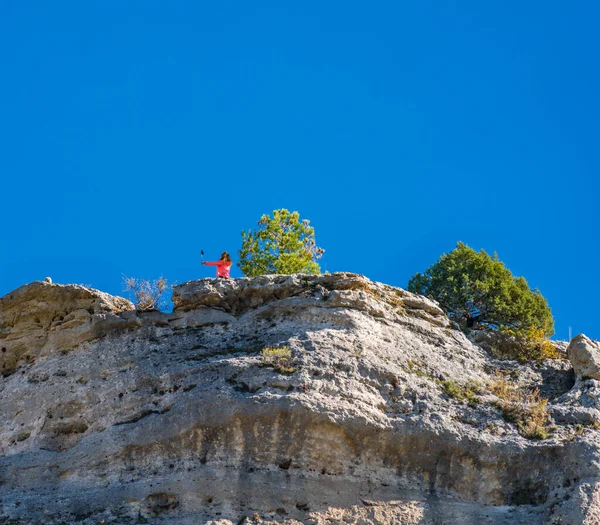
pixel 478 291
pixel 283 244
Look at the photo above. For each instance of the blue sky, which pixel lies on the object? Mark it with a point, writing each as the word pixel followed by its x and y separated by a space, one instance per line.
pixel 134 134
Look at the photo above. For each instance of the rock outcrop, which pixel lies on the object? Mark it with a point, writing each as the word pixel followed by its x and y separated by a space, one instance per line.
pixel 41 318
pixel 584 354
pixel 385 414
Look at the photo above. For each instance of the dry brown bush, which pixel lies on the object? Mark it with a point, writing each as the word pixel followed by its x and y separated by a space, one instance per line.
pixel 147 294
pixel 523 407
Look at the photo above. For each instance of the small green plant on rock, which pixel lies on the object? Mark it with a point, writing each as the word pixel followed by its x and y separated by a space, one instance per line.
pixel 523 407
pixel 467 392
pixel 279 358
pixel 580 428
pixel 417 368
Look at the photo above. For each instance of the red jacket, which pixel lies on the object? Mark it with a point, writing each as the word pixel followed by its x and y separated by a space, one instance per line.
pixel 223 267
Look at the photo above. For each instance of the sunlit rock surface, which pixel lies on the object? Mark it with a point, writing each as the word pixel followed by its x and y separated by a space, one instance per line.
pixel 116 416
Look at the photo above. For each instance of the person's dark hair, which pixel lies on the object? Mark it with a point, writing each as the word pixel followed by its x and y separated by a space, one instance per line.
pixel 226 257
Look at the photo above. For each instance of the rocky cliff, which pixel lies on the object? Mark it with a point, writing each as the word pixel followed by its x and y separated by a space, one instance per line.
pixel 383 412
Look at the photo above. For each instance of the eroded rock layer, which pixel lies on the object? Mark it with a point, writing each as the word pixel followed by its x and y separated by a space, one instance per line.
pixel 112 414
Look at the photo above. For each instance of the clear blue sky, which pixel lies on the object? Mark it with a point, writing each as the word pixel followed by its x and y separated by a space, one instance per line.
pixel 133 134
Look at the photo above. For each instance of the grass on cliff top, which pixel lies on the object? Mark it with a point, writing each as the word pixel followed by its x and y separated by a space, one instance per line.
pixel 279 358
pixel 521 406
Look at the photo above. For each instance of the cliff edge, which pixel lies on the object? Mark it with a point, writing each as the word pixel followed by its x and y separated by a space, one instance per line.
pixel 384 412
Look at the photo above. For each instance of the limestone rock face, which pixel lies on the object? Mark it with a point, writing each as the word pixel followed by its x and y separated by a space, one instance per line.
pixel 339 290
pixel 42 317
pixel 584 354
pixel 110 415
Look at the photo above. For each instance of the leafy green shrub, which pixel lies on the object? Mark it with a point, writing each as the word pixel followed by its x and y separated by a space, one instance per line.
pixel 279 358
pixel 523 407
pixel 478 291
pixel 283 244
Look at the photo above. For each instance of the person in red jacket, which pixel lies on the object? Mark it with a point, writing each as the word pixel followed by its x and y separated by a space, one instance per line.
pixel 223 266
